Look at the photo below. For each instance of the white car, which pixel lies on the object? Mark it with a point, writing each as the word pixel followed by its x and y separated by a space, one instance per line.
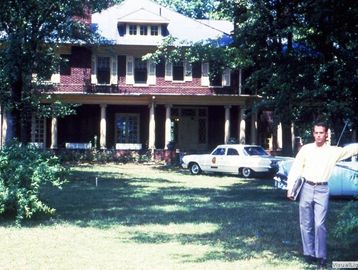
pixel 240 159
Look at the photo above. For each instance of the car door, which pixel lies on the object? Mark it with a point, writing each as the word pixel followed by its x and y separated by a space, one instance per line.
pixel 229 163
pixel 216 159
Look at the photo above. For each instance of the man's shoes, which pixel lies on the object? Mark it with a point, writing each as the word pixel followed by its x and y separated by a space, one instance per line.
pixel 322 263
pixel 310 259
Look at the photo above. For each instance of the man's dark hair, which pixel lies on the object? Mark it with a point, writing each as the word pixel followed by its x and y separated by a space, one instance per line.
pixel 321 124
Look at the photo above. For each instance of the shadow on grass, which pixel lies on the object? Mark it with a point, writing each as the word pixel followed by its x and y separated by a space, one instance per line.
pixel 250 217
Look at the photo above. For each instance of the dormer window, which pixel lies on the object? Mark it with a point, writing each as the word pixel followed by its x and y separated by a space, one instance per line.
pixel 154 30
pixel 133 29
pixel 143 30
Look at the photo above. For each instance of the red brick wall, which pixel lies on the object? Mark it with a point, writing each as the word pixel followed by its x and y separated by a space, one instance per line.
pixel 80 71
pixel 79 79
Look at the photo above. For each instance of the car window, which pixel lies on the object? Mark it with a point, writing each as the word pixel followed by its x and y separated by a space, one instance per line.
pixel 232 152
pixel 219 152
pixel 255 151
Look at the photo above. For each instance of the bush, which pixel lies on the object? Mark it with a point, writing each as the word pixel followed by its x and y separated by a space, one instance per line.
pixel 103 156
pixel 346 229
pixel 24 169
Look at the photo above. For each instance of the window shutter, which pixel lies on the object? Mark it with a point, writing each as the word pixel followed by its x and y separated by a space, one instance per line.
pixel 151 72
pixel 164 30
pixel 122 29
pixel 114 68
pixel 130 70
pixel 94 69
pixel 55 78
pixel 188 71
pixel 205 74
pixel 226 77
pixel 168 71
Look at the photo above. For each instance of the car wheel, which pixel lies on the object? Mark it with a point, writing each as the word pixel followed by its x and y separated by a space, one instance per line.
pixel 246 172
pixel 195 168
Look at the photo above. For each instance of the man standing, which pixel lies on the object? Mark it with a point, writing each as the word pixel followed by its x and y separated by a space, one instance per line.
pixel 315 162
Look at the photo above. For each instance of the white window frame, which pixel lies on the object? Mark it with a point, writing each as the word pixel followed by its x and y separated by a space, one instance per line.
pixel 226 77
pixel 129 69
pixel 152 72
pixel 113 69
pixel 126 115
pixel 187 69
pixel 38 131
pixel 205 80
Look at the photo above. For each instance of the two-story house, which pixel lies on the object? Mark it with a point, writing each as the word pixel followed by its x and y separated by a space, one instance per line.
pixel 128 103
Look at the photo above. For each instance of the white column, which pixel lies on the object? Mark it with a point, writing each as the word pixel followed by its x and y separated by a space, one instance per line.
pixel 103 127
pixel 253 127
pixel 227 124
pixel 54 133
pixel 240 81
pixel 1 121
pixel 242 126
pixel 7 126
pixel 279 135
pixel 168 124
pixel 151 140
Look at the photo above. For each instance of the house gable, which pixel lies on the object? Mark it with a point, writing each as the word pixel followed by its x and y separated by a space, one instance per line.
pixel 183 28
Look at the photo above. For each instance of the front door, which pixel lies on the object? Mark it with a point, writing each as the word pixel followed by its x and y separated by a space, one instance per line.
pixel 190 128
pixel 188 133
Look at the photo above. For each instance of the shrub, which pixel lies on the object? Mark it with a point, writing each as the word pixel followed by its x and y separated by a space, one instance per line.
pixel 24 169
pixel 346 229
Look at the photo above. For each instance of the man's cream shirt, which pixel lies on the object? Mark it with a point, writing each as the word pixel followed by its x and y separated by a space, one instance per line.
pixel 317 163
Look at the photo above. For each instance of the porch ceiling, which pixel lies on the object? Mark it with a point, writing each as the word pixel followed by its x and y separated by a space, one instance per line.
pixel 242 100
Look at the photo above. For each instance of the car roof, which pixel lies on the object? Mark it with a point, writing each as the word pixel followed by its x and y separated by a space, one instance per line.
pixel 238 145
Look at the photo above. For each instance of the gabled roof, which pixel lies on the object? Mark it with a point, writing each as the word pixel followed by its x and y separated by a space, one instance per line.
pixel 142 15
pixel 179 26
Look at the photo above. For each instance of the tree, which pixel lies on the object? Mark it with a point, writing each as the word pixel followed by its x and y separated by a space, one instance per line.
pixel 197 9
pixel 30 32
pixel 301 58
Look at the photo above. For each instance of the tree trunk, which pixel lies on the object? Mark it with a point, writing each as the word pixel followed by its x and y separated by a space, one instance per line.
pixel 287 140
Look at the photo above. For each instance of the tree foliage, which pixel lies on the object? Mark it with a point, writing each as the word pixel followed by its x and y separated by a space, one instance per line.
pixel 196 9
pixel 30 32
pixel 301 58
pixel 24 170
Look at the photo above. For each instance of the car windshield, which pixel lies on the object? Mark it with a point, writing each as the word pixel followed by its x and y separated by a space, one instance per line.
pixel 255 151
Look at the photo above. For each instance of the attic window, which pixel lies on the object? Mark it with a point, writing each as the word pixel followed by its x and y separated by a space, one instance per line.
pixel 133 29
pixel 143 30
pixel 154 30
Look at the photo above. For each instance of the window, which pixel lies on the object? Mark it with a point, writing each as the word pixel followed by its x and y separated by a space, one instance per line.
pixel 215 77
pixel 255 151
pixel 178 71
pixel 219 152
pixel 65 67
pixel 133 29
pixel 154 30
pixel 140 71
pixel 232 152
pixel 103 70
pixel 127 128
pixel 143 30
pixel 38 130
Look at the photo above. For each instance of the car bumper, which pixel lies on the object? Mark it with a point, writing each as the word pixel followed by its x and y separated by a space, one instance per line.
pixel 184 165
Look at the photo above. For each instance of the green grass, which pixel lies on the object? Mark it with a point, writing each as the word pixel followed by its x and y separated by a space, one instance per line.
pixel 152 217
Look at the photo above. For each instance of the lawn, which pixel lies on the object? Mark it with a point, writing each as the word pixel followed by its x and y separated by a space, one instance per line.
pixel 153 217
